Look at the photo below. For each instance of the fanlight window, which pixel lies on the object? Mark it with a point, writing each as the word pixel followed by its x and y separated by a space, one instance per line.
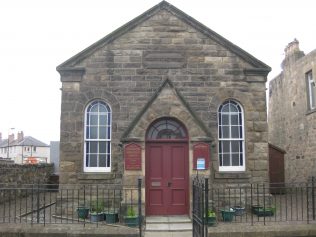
pixel 166 129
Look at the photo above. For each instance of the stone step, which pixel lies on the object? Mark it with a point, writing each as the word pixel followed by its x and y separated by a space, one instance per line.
pixel 168 224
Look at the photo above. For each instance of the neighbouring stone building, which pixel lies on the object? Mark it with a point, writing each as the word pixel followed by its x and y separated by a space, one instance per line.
pixel 158 98
pixel 292 117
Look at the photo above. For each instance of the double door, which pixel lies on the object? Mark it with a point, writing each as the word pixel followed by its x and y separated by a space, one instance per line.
pixel 167 178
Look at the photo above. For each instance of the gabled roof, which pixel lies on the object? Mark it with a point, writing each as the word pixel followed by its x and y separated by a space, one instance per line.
pixel 166 83
pixel 262 67
pixel 27 141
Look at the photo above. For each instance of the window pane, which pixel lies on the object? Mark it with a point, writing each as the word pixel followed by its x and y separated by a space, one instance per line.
pixel 94 108
pixel 225 132
pixel 313 92
pixel 102 161
pixel 93 161
pixel 234 119
pixel 102 108
pixel 102 147
pixel 235 146
pixel 226 160
pixel 108 160
pixel 226 146
pixel 233 108
pixel 87 160
pixel 93 147
pixel 108 147
pixel 220 159
pixel 225 119
pixel 235 131
pixel 225 108
pixel 102 132
pixel 93 132
pixel 93 119
pixel 235 159
pixel 103 120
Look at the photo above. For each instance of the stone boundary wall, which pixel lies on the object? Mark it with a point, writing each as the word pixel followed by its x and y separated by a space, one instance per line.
pixel 15 174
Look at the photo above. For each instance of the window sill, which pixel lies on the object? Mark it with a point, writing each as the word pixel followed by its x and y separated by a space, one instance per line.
pixel 310 111
pixel 96 176
pixel 232 175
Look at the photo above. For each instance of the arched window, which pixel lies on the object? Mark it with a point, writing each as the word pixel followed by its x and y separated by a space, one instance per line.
pixel 97 152
pixel 231 149
pixel 166 128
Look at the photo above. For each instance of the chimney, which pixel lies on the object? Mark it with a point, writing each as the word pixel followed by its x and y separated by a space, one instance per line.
pixel 11 137
pixel 292 53
pixel 20 136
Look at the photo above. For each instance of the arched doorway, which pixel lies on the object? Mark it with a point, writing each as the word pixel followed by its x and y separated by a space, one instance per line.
pixel 167 168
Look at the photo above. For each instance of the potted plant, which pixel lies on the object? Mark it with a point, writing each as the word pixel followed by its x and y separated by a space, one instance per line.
pixel 228 214
pixel 211 218
pixel 96 212
pixel 267 211
pixel 111 216
pixel 83 212
pixel 131 219
pixel 239 210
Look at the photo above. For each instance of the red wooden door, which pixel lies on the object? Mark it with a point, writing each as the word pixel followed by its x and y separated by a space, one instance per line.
pixel 167 178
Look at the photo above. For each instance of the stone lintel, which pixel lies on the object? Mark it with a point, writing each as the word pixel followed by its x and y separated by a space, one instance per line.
pixel 201 139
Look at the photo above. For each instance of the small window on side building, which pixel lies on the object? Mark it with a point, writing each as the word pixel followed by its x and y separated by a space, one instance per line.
pixel 311 91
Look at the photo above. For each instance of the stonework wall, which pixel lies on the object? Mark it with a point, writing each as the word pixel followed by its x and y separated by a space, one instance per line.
pixel 125 73
pixel 291 125
pixel 25 174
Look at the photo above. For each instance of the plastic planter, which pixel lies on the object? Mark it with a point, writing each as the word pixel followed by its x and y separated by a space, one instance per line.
pixel 83 212
pixel 228 215
pixel 239 211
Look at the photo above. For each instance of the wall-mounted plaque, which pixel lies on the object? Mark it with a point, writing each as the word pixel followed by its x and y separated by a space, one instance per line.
pixel 201 156
pixel 133 157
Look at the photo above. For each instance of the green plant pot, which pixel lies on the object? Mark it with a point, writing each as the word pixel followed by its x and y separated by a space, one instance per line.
pixel 255 208
pixel 131 221
pixel 265 212
pixel 96 217
pixel 228 215
pixel 239 211
pixel 83 212
pixel 211 220
pixel 111 217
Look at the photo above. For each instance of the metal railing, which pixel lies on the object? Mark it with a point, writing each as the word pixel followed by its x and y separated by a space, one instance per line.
pixel 264 204
pixel 70 204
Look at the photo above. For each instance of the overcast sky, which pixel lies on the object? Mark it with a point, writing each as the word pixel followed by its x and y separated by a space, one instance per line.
pixel 37 35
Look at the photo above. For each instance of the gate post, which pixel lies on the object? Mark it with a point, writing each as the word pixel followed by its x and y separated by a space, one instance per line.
pixel 313 196
pixel 206 207
pixel 140 217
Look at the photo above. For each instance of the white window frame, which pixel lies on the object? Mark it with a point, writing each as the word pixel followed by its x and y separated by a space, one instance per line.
pixel 311 90
pixel 231 168
pixel 107 140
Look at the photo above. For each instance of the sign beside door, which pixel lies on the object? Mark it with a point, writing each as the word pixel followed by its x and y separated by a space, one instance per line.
pixel 201 156
pixel 133 157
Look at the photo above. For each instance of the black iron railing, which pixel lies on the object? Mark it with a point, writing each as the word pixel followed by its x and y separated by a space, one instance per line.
pixel 70 204
pixel 263 204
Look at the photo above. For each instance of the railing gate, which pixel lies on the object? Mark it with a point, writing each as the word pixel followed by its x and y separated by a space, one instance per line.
pixel 200 206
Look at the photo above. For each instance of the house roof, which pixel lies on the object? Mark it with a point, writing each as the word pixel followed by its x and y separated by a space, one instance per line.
pixel 27 141
pixel 70 63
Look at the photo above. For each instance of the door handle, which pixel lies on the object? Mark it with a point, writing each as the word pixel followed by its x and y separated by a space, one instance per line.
pixel 169 184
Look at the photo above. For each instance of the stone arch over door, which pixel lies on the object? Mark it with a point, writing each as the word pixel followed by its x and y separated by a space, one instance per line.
pixel 167 168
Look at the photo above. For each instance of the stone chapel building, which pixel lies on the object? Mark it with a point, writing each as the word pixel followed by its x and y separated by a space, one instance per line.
pixel 158 98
